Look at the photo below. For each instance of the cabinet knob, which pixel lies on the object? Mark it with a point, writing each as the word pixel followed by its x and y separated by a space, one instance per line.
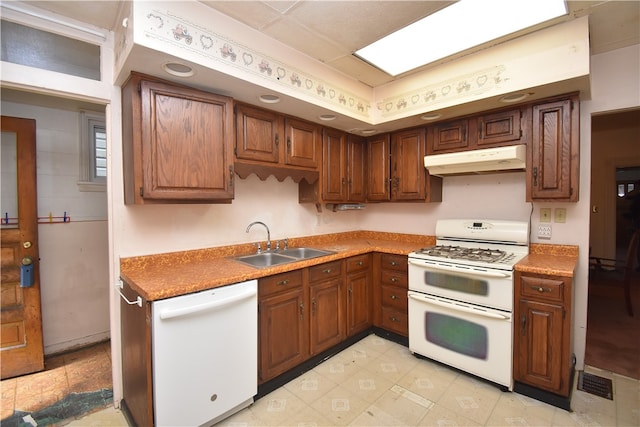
pixel 360 263
pixel 283 282
pixel 393 263
pixel 394 280
pixel 394 297
pixel 327 271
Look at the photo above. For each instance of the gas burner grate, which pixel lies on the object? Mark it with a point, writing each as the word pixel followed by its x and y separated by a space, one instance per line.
pixel 464 253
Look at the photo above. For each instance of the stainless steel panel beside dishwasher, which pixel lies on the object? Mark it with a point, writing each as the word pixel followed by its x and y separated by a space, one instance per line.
pixel 205 354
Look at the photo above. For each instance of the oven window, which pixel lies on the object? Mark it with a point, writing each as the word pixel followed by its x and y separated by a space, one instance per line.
pixel 463 284
pixel 455 334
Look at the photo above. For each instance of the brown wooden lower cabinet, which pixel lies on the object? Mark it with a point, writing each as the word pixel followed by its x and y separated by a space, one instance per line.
pixel 326 297
pixel 283 325
pixel 542 332
pixel 359 302
pixel 391 288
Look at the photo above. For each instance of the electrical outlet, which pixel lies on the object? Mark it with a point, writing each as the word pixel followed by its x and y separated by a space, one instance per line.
pixel 560 215
pixel 544 231
pixel 545 214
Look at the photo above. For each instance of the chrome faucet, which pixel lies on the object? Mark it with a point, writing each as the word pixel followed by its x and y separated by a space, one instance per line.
pixel 268 233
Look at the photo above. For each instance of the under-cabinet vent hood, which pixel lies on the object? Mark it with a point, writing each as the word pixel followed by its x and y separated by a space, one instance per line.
pixel 475 161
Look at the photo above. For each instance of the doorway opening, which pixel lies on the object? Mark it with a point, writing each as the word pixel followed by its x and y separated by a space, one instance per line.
pixel 615 179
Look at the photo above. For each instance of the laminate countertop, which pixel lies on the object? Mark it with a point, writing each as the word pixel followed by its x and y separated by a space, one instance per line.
pixel 161 276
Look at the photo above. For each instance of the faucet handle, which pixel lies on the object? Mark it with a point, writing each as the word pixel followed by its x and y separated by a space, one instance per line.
pixel 259 249
pixel 277 245
pixel 286 243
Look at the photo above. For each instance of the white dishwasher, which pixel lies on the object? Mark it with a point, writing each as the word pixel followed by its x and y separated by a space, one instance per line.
pixel 205 355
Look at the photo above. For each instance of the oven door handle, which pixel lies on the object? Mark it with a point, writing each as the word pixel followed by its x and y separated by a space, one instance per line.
pixel 458 307
pixel 481 273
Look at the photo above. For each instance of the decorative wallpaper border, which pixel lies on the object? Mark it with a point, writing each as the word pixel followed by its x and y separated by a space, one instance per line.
pixel 429 97
pixel 180 32
pixel 184 34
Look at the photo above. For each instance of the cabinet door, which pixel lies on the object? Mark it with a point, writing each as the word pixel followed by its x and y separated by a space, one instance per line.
pixel 258 134
pixel 327 322
pixel 356 169
pixel 538 343
pixel 359 304
pixel 378 151
pixel 334 166
pixel 448 137
pixel 282 333
pixel 500 128
pixel 304 145
pixel 186 144
pixel 408 174
pixel 554 152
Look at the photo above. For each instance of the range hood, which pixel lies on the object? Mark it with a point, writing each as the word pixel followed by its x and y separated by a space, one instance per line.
pixel 512 157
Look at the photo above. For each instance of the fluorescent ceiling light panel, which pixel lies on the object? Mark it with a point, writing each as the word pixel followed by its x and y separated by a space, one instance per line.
pixel 456 28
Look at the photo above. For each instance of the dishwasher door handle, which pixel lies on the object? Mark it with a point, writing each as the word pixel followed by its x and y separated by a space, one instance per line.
pixel 211 305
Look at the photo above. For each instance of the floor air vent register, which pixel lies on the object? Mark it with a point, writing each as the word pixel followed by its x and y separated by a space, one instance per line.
pixel 594 384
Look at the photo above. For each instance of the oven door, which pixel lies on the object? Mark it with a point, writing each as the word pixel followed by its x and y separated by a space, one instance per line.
pixel 474 285
pixel 473 339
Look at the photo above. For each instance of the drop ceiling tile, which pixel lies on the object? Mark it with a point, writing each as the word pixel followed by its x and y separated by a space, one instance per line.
pixel 360 70
pixel 255 14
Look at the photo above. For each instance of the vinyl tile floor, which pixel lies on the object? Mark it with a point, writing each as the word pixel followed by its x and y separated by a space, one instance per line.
pixel 377 382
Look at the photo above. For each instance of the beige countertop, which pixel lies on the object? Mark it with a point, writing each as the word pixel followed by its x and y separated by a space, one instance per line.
pixel 161 276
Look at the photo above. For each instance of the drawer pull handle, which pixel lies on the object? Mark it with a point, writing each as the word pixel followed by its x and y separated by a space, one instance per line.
pixel 360 263
pixel 393 319
pixel 394 280
pixel 327 271
pixel 283 282
pixel 395 297
pixel 541 289
pixel 393 263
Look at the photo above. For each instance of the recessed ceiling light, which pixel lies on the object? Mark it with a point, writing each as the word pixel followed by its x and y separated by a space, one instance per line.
pixel 446 32
pixel 431 116
pixel 514 97
pixel 327 117
pixel 269 99
pixel 178 69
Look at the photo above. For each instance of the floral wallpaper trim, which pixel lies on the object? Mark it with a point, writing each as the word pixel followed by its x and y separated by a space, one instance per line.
pixel 179 32
pixel 429 97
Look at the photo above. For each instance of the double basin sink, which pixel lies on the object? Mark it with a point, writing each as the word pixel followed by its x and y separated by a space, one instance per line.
pixel 268 259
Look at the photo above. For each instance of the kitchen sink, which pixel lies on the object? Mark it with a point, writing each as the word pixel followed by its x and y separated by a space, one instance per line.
pixel 268 259
pixel 305 253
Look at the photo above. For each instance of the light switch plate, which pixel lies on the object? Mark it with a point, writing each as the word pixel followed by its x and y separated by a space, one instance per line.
pixel 545 214
pixel 544 231
pixel 560 215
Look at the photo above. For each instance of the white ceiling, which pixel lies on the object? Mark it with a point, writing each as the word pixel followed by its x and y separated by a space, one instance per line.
pixel 330 31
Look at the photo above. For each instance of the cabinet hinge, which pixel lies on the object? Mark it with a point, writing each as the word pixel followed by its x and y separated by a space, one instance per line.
pixel 521 133
pixel 230 176
pixel 235 151
pixel 139 87
pixel 571 191
pixel 141 192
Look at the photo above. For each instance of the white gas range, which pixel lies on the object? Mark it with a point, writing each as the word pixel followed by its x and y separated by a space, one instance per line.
pixel 461 296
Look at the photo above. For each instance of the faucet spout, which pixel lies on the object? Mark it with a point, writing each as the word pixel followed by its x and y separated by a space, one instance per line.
pixel 268 232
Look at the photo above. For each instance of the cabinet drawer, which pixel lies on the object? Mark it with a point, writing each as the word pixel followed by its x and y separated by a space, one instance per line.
pixel 280 282
pixel 394 297
pixel 394 278
pixel 325 271
pixel 394 262
pixel 395 321
pixel 358 263
pixel 542 288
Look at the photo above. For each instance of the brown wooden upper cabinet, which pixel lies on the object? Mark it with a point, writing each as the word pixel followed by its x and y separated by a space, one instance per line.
pixel 396 169
pixel 505 127
pixel 177 143
pixel 554 160
pixel 343 167
pixel 270 143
